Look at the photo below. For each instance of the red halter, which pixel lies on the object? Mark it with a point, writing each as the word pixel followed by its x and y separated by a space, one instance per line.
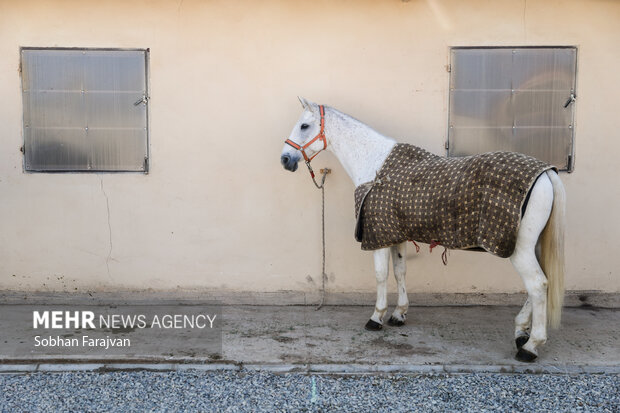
pixel 320 136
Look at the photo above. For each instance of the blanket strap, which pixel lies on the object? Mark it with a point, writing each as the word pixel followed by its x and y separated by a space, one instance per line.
pixel 444 254
pixel 417 247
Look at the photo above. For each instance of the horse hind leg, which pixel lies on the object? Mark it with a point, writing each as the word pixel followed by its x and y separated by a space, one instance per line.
pixel 523 320
pixel 523 323
pixel 536 285
pixel 399 261
pixel 526 263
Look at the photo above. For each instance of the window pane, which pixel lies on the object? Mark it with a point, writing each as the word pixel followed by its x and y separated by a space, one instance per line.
pixel 114 110
pixel 56 149
pixel 52 70
pixel 541 108
pixel 481 108
pixel 554 148
pixel 54 109
pixel 114 70
pixel 477 69
pixel 112 150
pixel 470 141
pixel 544 69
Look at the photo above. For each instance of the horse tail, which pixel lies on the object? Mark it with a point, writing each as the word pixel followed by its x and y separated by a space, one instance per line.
pixel 552 252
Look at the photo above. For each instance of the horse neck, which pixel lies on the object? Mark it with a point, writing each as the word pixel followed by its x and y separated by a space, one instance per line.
pixel 360 149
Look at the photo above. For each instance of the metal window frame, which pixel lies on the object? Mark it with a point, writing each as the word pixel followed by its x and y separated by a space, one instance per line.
pixel 570 166
pixel 147 70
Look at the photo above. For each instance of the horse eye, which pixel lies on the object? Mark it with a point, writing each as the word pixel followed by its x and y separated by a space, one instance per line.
pixel 304 126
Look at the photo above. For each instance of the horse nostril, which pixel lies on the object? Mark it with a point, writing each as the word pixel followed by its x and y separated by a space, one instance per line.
pixel 285 159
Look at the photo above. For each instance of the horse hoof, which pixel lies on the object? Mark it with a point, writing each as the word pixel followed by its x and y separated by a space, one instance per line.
pixel 395 322
pixel 372 325
pixel 521 340
pixel 525 356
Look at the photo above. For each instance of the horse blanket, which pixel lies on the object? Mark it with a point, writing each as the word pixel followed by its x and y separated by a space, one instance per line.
pixel 472 202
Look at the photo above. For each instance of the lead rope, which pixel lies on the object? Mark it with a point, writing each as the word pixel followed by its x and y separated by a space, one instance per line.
pixel 322 188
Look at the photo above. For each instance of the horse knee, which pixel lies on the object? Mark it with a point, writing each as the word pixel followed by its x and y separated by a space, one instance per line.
pixel 381 276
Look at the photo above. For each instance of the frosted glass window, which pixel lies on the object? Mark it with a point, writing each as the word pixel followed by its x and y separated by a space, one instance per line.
pixel 85 109
pixel 513 99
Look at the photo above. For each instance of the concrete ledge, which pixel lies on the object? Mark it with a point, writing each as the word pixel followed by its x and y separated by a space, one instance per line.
pixel 572 298
pixel 339 369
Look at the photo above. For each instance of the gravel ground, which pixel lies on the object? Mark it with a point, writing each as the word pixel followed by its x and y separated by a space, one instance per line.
pixel 252 391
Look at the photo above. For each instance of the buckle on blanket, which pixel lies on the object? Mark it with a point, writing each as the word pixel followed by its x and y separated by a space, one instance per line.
pixel 377 180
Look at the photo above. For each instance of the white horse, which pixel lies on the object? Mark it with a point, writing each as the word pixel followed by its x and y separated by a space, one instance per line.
pixel 539 253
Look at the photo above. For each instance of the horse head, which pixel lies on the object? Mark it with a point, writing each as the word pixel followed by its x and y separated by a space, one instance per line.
pixel 307 138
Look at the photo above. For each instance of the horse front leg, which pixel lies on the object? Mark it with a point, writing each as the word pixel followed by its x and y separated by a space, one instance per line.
pixel 399 261
pixel 382 260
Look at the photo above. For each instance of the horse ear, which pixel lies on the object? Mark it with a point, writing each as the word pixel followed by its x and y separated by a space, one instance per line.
pixel 304 102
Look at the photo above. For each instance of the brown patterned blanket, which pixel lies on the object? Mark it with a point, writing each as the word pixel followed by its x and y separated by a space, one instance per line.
pixel 460 203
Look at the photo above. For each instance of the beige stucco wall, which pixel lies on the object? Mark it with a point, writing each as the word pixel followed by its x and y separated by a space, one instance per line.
pixel 217 211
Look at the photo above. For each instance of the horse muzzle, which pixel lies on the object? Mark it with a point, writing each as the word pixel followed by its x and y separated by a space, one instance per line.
pixel 289 162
